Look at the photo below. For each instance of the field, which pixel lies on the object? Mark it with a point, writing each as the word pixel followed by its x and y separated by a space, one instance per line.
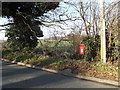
pixel 52 43
pixel 55 48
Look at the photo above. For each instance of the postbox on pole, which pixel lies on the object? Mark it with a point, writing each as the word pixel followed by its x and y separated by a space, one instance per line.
pixel 82 48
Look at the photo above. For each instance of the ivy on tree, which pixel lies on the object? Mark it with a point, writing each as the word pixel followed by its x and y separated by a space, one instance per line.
pixel 25 30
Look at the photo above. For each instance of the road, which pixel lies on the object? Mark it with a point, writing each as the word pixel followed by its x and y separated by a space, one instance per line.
pixel 14 76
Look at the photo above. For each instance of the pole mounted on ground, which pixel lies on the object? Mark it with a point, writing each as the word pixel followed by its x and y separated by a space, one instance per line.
pixel 102 32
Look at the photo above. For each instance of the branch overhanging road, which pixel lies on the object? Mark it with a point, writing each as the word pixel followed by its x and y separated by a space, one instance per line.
pixel 14 76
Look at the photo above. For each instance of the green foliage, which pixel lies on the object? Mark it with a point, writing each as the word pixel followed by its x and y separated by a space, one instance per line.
pixel 48 60
pixel 58 62
pixel 22 57
pixel 31 9
pixel 21 37
pixel 5 52
pixel 44 59
pixel 91 48
pixel 108 67
pixel 25 30
pixel 16 55
pixel 32 60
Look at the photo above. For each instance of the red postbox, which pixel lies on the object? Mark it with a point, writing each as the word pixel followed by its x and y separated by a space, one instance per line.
pixel 81 48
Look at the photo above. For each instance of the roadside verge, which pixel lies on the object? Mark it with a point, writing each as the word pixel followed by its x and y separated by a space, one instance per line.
pixel 66 72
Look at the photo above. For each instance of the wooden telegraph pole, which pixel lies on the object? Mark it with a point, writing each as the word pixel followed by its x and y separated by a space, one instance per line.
pixel 102 32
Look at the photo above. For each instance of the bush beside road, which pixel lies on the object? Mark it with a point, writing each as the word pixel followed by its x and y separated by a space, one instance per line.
pixel 108 71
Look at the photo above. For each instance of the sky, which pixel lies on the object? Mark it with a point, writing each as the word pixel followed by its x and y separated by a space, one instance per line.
pixel 2 32
pixel 48 32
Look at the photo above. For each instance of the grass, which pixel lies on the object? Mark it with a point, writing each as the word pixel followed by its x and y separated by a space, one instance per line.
pixel 78 66
pixel 45 59
pixel 33 59
pixel 50 60
pixel 111 69
pixel 17 56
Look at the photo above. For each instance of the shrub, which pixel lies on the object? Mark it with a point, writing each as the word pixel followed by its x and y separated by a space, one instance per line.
pixel 91 48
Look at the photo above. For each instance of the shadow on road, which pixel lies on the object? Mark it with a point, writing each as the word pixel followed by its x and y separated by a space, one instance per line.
pixel 40 81
pixel 22 77
pixel 40 78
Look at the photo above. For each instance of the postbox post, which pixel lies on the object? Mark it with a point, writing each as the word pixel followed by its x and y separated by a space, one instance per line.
pixel 82 48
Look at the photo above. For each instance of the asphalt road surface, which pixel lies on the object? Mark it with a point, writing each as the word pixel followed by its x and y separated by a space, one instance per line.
pixel 14 76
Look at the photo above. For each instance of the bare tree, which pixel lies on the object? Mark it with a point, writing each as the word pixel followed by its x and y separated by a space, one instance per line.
pixel 83 16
